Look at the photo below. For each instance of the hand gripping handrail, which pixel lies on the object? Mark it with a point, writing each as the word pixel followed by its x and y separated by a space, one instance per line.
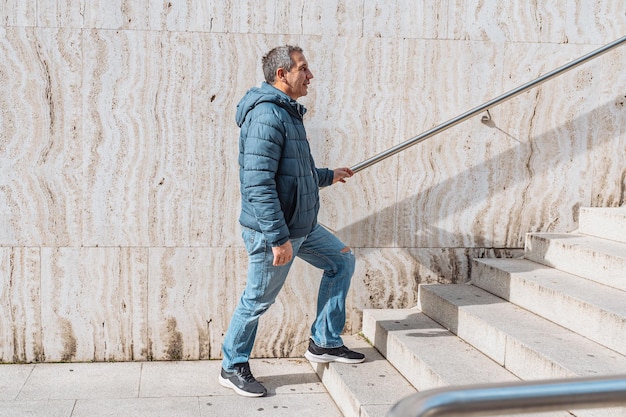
pixel 491 103
pixel 515 397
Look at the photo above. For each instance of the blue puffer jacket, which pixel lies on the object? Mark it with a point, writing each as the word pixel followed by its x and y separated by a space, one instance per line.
pixel 278 178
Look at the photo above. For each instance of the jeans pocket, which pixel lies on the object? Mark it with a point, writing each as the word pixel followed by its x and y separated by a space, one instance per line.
pixel 253 240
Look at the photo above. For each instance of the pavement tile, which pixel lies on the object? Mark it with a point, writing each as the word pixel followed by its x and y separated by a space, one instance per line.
pixel 51 408
pixel 179 379
pixel 159 389
pixel 138 407
pixel 200 378
pixel 380 410
pixel 12 379
pixel 286 376
pixel 284 405
pixel 82 380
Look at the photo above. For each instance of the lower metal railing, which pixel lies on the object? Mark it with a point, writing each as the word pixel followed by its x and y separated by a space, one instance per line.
pixel 515 398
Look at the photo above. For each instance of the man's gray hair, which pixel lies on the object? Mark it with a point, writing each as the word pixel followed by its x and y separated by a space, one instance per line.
pixel 279 57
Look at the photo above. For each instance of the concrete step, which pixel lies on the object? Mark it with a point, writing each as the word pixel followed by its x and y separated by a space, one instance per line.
pixel 527 345
pixel 428 355
pixel 607 223
pixel 597 259
pixel 586 307
pixel 367 389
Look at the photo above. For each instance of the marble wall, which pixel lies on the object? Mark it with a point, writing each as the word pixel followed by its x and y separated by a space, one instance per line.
pixel 118 169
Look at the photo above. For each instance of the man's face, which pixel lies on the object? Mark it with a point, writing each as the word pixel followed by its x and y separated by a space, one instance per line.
pixel 297 80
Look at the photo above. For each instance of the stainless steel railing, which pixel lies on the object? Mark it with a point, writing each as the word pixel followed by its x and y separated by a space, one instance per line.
pixel 486 106
pixel 516 397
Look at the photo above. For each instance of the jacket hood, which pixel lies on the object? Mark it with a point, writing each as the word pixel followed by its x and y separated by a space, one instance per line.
pixel 266 93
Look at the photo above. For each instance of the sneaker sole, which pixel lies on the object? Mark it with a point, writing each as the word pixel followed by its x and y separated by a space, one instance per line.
pixel 329 358
pixel 226 383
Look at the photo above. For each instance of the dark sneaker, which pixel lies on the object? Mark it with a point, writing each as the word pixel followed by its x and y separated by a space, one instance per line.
pixel 242 381
pixel 339 354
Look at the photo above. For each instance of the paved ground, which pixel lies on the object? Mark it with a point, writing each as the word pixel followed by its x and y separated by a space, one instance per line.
pixel 159 389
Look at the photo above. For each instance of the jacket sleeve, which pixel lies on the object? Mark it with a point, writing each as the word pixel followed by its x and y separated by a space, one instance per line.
pixel 325 176
pixel 261 155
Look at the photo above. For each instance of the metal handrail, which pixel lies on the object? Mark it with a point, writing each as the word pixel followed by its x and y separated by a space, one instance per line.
pixel 491 103
pixel 515 397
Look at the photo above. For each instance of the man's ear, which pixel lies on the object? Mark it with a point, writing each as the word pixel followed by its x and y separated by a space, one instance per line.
pixel 280 74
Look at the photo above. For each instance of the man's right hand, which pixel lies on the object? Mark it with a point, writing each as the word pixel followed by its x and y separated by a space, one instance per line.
pixel 282 254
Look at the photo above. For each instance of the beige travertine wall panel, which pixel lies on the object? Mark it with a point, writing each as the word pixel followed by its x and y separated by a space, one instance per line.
pixel 444 182
pixel 174 145
pixel 20 327
pixel 383 278
pixel 355 104
pixel 60 13
pixel 137 15
pixel 560 136
pixel 139 152
pixel 94 304
pixel 215 178
pixel 607 129
pixel 328 17
pixel 567 21
pixel 40 144
pixel 609 180
pixel 188 290
pixel 221 16
pixel 121 131
pixel 405 19
pixel 595 22
pixel 447 78
pixel 18 13
pixel 241 17
pixel 332 17
pixel 500 21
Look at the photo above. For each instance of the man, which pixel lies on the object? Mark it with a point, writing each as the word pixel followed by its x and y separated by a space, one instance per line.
pixel 279 205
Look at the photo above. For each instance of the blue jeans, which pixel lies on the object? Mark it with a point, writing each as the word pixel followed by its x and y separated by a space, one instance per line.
pixel 321 249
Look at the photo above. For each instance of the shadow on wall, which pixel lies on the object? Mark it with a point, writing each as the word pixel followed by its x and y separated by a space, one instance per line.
pixel 517 197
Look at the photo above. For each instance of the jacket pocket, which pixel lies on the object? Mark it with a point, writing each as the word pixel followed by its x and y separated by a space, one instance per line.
pixel 290 201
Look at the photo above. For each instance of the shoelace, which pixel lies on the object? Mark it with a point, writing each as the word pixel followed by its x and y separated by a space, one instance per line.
pixel 246 375
pixel 343 350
